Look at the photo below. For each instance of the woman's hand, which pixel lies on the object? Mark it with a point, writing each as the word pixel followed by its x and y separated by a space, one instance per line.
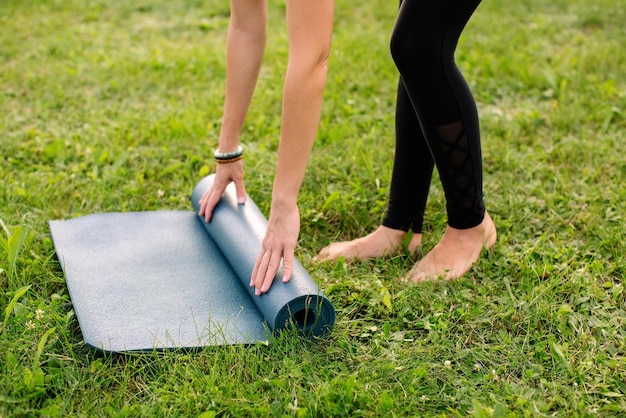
pixel 225 173
pixel 279 244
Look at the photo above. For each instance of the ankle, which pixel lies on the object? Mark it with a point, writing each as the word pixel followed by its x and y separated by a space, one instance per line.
pixel 389 236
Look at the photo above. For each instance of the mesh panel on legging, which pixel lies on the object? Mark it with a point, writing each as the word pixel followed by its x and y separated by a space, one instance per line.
pixel 422 45
pixel 412 169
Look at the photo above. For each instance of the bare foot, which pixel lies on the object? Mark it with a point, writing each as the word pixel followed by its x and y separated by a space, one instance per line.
pixel 383 241
pixel 454 255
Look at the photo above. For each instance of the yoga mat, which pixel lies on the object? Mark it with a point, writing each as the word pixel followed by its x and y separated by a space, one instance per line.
pixel 141 281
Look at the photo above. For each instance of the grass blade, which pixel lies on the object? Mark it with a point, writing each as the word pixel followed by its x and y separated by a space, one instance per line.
pixel 18 294
pixel 15 241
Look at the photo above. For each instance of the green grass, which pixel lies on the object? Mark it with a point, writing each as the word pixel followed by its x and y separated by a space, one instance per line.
pixel 115 106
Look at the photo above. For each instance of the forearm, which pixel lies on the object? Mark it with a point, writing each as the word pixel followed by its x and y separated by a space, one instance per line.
pixel 302 106
pixel 244 54
pixel 310 32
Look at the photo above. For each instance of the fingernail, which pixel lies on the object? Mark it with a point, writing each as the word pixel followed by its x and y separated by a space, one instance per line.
pixel 285 279
pixel 257 292
pixel 241 200
pixel 251 283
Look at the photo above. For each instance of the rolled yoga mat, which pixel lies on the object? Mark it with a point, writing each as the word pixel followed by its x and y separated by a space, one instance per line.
pixel 141 281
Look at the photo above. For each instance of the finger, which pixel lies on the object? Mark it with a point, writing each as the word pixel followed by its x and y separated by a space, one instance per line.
pixel 204 205
pixel 259 272
pixel 255 270
pixel 272 267
pixel 203 202
pixel 287 264
pixel 241 191
pixel 212 202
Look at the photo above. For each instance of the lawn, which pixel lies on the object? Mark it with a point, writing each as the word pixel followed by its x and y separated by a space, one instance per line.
pixel 116 105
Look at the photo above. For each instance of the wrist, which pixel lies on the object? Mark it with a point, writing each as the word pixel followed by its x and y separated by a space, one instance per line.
pixel 228 157
pixel 227 142
pixel 227 148
pixel 286 189
pixel 284 201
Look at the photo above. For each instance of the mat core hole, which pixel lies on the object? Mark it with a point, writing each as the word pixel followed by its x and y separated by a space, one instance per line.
pixel 304 318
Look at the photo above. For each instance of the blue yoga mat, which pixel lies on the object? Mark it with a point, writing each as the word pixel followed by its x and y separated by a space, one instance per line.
pixel 141 281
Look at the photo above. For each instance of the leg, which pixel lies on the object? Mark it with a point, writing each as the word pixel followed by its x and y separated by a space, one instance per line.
pixel 412 171
pixel 423 45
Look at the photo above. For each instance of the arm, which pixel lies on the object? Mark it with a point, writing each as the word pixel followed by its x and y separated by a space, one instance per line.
pixel 309 24
pixel 244 53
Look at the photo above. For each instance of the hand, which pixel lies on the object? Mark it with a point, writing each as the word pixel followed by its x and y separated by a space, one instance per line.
pixel 279 243
pixel 225 173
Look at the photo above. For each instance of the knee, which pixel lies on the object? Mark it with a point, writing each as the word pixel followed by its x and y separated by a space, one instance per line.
pixel 407 50
pixel 397 47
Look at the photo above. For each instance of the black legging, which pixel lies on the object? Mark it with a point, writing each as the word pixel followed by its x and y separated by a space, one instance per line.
pixel 436 117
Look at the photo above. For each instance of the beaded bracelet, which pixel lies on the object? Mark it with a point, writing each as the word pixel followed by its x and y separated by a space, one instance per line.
pixel 225 157
pixel 228 160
